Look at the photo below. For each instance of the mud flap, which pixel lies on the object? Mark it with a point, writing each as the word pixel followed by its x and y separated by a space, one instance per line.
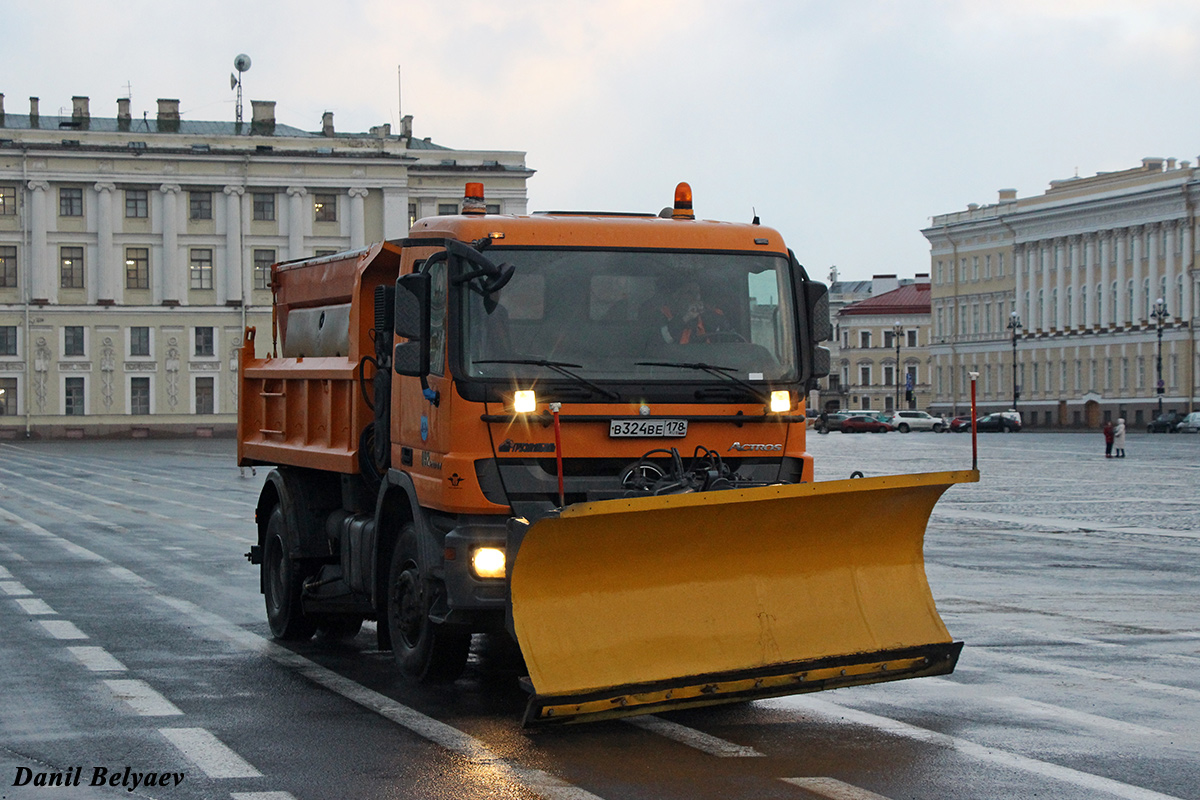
pixel 632 606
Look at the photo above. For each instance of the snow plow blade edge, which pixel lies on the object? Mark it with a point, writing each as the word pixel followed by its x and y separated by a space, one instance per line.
pixel 626 607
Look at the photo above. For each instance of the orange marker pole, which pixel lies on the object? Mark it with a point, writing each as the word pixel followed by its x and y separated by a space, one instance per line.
pixel 974 432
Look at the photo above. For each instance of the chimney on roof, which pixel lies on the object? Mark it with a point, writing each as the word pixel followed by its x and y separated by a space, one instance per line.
pixel 33 110
pixel 382 131
pixel 1 106
pixel 327 124
pixel 406 126
pixel 262 117
pixel 1170 163
pixel 1152 164
pixel 79 109
pixel 922 278
pixel 123 116
pixel 881 284
pixel 1008 195
pixel 168 115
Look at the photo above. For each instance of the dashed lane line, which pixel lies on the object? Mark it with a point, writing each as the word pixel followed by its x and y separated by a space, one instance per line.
pixel 96 659
pixel 34 607
pixel 845 715
pixel 5 575
pixel 62 629
pixel 14 589
pixel 692 738
pixel 833 789
pixel 261 796
pixel 210 754
pixel 142 698
pixel 450 738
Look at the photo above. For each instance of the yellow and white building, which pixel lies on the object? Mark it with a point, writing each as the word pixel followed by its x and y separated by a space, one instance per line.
pixel 134 251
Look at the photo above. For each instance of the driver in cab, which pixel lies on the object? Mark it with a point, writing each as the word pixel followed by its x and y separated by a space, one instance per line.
pixel 685 317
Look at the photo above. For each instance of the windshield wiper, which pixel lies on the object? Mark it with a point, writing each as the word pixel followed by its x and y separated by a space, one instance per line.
pixel 711 369
pixel 558 366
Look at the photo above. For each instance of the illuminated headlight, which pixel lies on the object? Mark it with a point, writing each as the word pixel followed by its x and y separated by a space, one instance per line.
pixel 524 401
pixel 781 402
pixel 488 562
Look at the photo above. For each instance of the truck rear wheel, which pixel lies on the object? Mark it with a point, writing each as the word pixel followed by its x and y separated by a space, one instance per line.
pixel 426 651
pixel 282 584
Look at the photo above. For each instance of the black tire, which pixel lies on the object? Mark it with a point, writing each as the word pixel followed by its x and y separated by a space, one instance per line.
pixel 424 651
pixel 282 582
pixel 937 427
pixel 903 427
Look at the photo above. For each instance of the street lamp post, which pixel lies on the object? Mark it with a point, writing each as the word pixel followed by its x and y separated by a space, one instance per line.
pixel 1160 314
pixel 1014 325
pixel 897 331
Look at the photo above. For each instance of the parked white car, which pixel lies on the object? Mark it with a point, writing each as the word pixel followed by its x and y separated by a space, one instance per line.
pixel 1190 423
pixel 905 421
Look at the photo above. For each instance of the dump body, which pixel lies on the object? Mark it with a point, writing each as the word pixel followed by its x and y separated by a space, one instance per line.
pixel 510 425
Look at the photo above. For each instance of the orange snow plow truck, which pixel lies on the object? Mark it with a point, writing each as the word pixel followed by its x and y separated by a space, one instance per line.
pixel 586 432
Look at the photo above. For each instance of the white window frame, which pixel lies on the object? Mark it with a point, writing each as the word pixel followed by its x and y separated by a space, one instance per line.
pixel 18 404
pixel 191 345
pixel 216 379
pixel 129 393
pixel 129 356
pixel 62 392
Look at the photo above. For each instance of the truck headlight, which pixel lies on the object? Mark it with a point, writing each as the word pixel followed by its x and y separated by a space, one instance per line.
pixel 524 401
pixel 781 402
pixel 488 562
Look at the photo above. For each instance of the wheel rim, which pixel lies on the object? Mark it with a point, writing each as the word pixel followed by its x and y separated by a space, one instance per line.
pixel 275 586
pixel 409 609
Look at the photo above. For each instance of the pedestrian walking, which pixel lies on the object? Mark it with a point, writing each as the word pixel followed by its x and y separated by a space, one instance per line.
pixel 1119 438
pixel 1108 439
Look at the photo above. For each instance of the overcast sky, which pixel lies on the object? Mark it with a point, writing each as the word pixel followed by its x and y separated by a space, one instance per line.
pixel 845 124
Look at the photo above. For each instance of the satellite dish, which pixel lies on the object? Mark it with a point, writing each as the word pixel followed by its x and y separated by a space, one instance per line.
pixel 242 63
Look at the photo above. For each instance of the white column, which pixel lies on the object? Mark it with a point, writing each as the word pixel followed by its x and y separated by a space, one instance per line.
pixel 1042 285
pixel 1122 296
pixel 228 282
pixel 1091 270
pixel 1171 266
pixel 395 213
pixel 1137 314
pixel 104 288
pixel 1188 274
pixel 1061 268
pixel 358 218
pixel 42 280
pixel 296 221
pixel 1019 282
pixel 1152 273
pixel 169 271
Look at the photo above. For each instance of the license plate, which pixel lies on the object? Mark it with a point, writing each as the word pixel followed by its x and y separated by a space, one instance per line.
pixel 647 428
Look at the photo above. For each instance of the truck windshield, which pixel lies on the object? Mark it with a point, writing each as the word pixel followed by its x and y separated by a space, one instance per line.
pixel 624 316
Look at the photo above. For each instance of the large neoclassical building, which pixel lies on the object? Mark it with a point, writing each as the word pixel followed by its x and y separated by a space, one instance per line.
pixel 1074 293
pixel 135 250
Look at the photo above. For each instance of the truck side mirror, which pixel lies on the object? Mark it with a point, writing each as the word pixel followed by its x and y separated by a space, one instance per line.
pixel 412 322
pixel 813 297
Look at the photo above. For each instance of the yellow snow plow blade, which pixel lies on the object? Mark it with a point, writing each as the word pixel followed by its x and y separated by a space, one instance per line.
pixel 635 606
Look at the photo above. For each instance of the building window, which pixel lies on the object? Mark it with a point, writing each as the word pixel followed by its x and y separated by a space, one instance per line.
pixel 447 209
pixel 864 339
pixel 8 397
pixel 137 268
pixel 492 208
pixel 912 338
pixel 889 339
pixel 200 205
pixel 139 396
pixel 8 201
pixel 73 344
pixel 201 269
pixel 137 203
pixel 71 272
pixel 412 214
pixel 889 375
pixel 8 267
pixel 204 342
pixel 139 341
pixel 263 259
pixel 70 202
pixel 264 206
pixel 325 207
pixel 8 340
pixel 205 396
pixel 73 397
pixel 864 375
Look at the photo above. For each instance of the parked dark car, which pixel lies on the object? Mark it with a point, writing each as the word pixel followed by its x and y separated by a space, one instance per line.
pixel 960 424
pixel 833 422
pixel 864 423
pixel 999 422
pixel 1165 422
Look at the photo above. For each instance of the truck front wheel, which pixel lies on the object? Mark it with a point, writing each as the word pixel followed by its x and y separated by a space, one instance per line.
pixel 426 651
pixel 282 585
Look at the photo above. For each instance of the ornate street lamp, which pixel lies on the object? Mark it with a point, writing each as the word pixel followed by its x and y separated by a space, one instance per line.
pixel 1014 325
pixel 1160 314
pixel 897 332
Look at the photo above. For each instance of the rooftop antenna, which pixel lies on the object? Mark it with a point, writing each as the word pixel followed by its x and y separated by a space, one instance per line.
pixel 241 64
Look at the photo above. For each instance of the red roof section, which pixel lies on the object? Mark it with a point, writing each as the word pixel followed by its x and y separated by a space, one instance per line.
pixel 910 299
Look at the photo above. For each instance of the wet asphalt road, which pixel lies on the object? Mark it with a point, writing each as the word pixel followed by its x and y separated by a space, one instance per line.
pixel 132 635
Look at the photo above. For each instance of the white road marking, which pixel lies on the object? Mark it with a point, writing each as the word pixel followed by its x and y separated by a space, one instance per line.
pixel 692 738
pixel 143 699
pixel 14 588
pixel 833 789
pixel 5 574
pixel 34 607
pixel 209 753
pixel 62 629
pixel 842 714
pixel 1081 718
pixel 261 796
pixel 97 659
pixel 538 781
pixel 1049 666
